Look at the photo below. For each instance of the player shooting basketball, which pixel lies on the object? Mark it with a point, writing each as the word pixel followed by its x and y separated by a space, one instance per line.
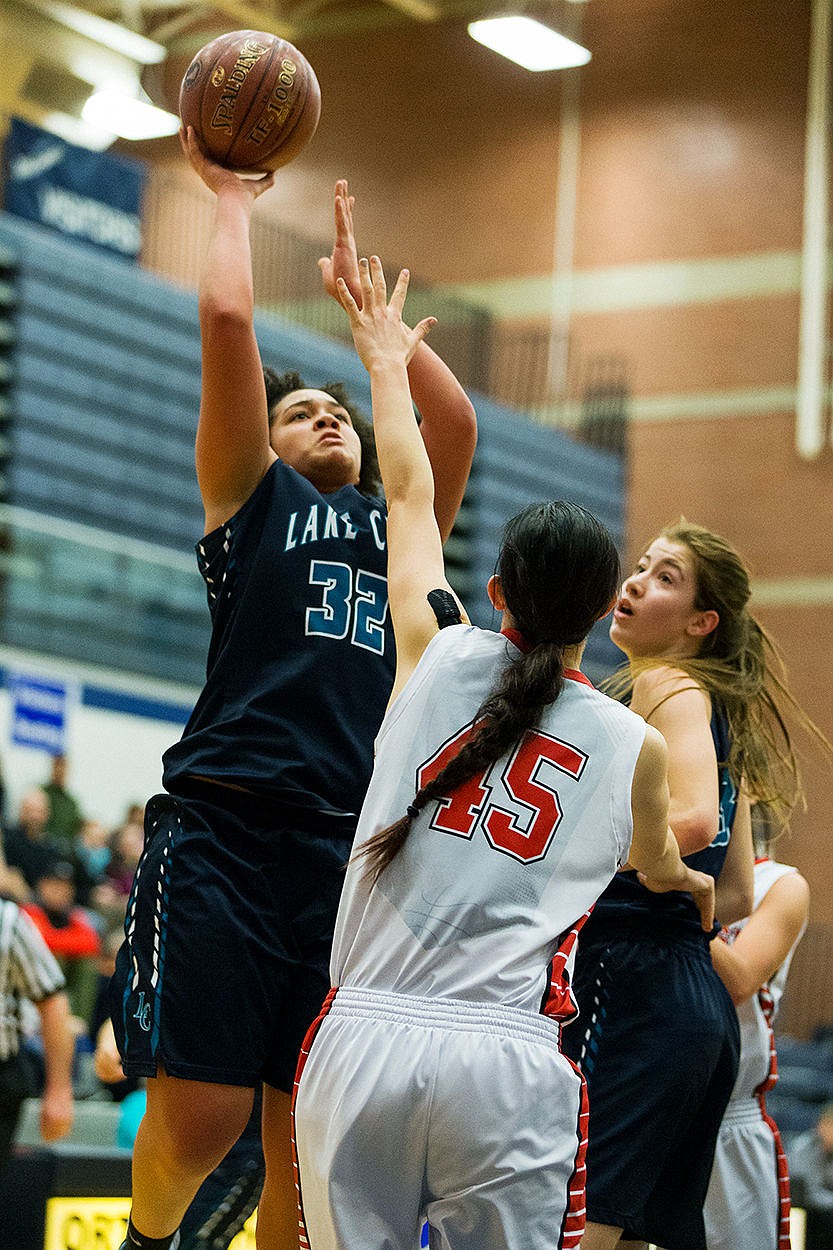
pixel 230 922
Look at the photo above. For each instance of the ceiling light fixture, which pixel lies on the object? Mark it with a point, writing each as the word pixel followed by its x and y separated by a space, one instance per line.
pixel 529 43
pixel 109 34
pixel 128 117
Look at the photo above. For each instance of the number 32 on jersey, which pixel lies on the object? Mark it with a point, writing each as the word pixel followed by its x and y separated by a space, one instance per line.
pixel 525 830
pixel 353 605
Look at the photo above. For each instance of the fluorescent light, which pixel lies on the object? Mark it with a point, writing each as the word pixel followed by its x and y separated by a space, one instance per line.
pixel 109 34
pixel 529 43
pixel 75 131
pixel 130 118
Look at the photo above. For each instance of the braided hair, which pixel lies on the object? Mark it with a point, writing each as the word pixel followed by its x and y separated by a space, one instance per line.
pixel 559 573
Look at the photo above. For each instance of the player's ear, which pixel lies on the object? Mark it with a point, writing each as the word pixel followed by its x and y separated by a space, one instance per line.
pixel 703 624
pixel 494 590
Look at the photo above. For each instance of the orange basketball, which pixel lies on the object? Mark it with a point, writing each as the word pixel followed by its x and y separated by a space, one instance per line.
pixel 253 100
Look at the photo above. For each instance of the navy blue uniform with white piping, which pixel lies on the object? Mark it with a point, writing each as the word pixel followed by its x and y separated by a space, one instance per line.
pixel 657 1040
pixel 229 925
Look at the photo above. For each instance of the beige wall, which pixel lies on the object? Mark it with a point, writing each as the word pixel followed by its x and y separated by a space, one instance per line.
pixel 687 265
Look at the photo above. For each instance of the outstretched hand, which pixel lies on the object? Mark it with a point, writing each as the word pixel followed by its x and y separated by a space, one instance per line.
pixel 698 884
pixel 379 333
pixel 344 260
pixel 217 177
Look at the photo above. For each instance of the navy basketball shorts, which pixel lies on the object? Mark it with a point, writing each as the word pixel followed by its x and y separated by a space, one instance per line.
pixel 658 1042
pixel 228 931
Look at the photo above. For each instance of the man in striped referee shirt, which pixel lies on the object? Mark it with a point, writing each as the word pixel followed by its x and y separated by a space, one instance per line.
pixel 28 970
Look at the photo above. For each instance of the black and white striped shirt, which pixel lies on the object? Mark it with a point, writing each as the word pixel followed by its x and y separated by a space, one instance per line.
pixel 28 969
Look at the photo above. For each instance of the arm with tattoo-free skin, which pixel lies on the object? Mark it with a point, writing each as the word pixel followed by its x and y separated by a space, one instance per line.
pixel 765 940
pixel 385 344
pixel 449 424
pixel 232 449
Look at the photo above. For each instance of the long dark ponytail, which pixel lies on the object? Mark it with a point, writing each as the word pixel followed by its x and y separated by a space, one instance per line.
pixel 559 572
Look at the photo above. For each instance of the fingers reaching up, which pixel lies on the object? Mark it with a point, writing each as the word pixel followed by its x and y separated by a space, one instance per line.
pixel 379 332
pixel 344 261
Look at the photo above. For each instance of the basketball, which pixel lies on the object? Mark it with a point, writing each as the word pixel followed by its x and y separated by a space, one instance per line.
pixel 253 100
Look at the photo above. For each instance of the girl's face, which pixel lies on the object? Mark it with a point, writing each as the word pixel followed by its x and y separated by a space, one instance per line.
pixel 314 434
pixel 655 616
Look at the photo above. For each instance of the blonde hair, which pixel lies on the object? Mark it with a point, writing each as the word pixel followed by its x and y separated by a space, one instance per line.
pixel 741 668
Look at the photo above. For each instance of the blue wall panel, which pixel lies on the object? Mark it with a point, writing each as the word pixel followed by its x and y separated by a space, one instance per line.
pixel 105 405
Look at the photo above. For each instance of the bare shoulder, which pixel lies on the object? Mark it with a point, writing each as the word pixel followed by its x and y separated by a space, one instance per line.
pixel 791 892
pixel 663 680
pixel 652 760
pixel 653 688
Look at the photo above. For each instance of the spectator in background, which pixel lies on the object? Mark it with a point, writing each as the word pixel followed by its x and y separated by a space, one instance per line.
pixel 69 933
pixel 107 1062
pixel 65 817
pixel 135 815
pixel 12 882
pixel 126 845
pixel 28 971
pixel 93 851
pixel 111 895
pixel 29 843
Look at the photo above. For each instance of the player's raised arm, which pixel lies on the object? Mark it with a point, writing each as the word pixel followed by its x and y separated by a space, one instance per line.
pixel 232 448
pixel 415 560
pixel 449 422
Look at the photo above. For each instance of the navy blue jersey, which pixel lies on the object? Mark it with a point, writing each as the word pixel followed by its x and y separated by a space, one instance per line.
pixel 626 902
pixel 301 659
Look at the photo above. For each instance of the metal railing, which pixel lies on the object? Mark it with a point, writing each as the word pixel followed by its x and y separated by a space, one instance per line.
pixel 88 595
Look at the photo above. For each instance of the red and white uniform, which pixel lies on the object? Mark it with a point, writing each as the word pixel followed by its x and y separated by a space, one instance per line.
pixel 748 1203
pixel 434 1085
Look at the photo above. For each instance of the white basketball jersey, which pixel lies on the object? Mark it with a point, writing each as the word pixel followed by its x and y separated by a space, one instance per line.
pixel 492 882
pixel 757 1014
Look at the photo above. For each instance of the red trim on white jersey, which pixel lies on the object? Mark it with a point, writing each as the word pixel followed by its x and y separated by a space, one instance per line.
pixel 517 638
pixel 303 1238
pixel 560 1004
pixel 575 1215
pixel 782 1168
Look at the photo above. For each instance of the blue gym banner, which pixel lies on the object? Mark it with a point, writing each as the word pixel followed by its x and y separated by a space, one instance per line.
pixel 39 712
pixel 91 196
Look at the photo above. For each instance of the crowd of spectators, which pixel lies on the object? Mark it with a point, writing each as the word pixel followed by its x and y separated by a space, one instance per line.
pixel 71 876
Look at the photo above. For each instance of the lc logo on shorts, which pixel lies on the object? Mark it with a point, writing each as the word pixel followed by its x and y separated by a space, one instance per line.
pixel 143 1013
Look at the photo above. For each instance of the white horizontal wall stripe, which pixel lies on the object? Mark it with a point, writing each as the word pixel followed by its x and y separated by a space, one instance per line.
pixel 693 406
pixel 104 540
pixel 792 592
pixel 662 284
pixel 713 405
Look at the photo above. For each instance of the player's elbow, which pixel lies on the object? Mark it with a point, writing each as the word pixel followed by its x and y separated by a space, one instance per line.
pixel 694 830
pixel 466 425
pixel 741 988
pixel 734 902
pixel 223 315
